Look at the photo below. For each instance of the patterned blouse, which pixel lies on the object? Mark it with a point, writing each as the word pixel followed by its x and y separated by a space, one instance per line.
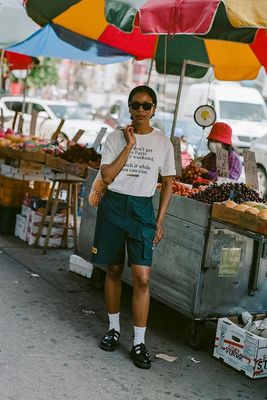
pixel 234 165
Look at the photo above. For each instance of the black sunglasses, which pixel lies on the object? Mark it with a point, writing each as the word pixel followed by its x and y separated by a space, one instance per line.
pixel 135 105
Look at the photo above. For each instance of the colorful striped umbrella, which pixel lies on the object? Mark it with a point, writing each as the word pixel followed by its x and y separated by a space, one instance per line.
pixel 225 34
pixel 187 16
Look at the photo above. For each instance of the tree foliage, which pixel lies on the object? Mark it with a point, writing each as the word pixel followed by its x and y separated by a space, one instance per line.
pixel 44 74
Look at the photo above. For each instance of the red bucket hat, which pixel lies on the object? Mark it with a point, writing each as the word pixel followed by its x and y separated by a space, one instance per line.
pixel 221 132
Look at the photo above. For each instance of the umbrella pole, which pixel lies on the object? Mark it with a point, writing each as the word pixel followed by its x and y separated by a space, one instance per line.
pixel 150 71
pixel 178 98
pixel 2 70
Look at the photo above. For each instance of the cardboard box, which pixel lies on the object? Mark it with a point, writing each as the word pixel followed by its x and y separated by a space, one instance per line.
pixel 20 227
pixel 241 349
pixel 54 241
pixel 239 218
pixel 80 266
pixel 34 227
pixel 36 216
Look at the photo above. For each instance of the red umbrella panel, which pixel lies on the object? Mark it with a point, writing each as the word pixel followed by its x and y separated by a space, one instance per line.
pixel 19 61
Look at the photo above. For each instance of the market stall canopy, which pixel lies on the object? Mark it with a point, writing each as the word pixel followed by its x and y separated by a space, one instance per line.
pixel 46 42
pixel 224 34
pixel 187 16
pixel 15 24
pixel 79 23
pixel 19 61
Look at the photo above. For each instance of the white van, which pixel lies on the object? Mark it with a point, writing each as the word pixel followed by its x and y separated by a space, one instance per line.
pixel 241 107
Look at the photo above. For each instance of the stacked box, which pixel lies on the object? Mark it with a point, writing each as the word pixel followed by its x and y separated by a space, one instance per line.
pixel 241 349
pixel 20 228
pixel 56 233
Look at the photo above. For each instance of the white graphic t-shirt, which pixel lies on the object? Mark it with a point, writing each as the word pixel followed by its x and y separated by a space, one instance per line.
pixel 152 154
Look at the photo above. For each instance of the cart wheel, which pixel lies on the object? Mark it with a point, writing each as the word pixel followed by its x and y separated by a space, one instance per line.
pixel 98 278
pixel 195 334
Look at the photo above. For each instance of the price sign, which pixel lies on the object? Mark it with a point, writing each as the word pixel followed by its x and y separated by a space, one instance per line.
pixel 99 138
pixel 250 169
pixel 177 155
pixel 222 163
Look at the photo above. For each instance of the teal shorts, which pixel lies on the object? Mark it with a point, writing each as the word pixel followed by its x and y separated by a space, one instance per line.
pixel 124 221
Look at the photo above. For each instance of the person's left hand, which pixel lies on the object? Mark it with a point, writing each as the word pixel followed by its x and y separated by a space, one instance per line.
pixel 158 234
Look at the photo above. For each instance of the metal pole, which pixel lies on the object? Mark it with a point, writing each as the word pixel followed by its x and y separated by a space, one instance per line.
pixel 24 92
pixel 178 98
pixel 150 71
pixel 2 70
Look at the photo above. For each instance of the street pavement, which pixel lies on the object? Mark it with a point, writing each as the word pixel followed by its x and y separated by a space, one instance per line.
pixel 50 326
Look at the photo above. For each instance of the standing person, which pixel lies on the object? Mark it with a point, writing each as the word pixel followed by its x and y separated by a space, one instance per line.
pixel 220 136
pixel 131 161
pixel 187 151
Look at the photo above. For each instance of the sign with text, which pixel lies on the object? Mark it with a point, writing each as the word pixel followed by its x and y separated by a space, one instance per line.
pixel 99 138
pixel 177 155
pixel 250 169
pixel 222 163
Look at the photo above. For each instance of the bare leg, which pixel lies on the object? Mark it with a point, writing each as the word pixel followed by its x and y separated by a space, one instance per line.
pixel 141 294
pixel 113 288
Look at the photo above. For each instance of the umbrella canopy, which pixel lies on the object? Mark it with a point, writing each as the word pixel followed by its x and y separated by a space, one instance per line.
pixel 225 34
pixel 19 61
pixel 50 42
pixel 186 16
pixel 15 24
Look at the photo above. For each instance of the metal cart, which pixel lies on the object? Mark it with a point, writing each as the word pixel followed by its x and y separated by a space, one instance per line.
pixel 203 268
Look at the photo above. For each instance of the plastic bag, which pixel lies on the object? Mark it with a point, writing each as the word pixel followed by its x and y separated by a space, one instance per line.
pixel 98 190
pixel 258 327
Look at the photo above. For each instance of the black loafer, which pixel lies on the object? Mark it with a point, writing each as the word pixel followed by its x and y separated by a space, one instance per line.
pixel 140 356
pixel 110 341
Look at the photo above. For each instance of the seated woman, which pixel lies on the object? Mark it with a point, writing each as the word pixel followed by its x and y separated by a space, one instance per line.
pixel 221 137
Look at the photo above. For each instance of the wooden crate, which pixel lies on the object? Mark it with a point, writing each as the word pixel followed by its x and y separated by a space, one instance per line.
pixel 3 152
pixel 34 156
pixel 12 191
pixel 40 189
pixel 239 218
pixel 14 154
pixel 51 161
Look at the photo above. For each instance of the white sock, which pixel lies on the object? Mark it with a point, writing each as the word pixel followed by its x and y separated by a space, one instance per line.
pixel 114 321
pixel 139 335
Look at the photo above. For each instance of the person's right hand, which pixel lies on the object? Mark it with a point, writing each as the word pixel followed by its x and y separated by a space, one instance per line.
pixel 129 135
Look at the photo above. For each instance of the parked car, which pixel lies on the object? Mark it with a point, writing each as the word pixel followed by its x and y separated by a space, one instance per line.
pixel 259 146
pixel 50 113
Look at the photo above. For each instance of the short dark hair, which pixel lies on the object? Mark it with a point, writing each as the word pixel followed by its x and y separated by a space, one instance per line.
pixel 141 89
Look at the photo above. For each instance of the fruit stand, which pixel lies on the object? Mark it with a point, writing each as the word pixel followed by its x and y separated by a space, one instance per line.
pixel 28 166
pixel 205 267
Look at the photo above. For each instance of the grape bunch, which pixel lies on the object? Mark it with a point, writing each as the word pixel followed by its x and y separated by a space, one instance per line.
pixel 238 192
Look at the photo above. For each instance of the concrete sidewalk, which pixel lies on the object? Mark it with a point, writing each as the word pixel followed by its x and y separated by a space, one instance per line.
pixel 51 323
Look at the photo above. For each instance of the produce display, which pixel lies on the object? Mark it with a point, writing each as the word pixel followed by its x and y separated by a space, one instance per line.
pixel 238 192
pixel 74 160
pixel 192 172
pixel 80 154
pixel 249 207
